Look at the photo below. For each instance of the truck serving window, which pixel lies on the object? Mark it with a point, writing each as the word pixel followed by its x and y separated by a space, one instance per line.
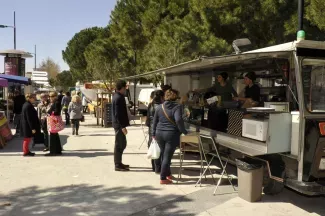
pixel 313 79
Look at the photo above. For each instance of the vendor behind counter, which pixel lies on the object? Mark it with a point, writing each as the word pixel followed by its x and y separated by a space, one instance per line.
pixel 223 88
pixel 216 115
pixel 252 91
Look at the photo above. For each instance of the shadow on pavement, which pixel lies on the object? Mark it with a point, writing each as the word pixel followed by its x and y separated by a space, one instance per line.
pixel 99 135
pixel 16 144
pixel 85 154
pixel 90 150
pixel 85 199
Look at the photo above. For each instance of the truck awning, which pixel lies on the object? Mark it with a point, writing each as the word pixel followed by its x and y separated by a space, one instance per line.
pixel 16 79
pixel 210 62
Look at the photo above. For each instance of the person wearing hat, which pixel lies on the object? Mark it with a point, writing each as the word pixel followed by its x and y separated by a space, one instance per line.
pixel 252 90
pixel 223 88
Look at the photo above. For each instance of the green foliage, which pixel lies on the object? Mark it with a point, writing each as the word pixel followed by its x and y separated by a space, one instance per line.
pixel 145 35
pixel 63 81
pixel 315 13
pixel 106 59
pixel 73 55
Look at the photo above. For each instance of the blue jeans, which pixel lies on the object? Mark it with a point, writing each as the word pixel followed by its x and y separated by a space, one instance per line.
pixel 168 142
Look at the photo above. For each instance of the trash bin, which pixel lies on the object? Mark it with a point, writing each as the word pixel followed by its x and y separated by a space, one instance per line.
pixel 250 179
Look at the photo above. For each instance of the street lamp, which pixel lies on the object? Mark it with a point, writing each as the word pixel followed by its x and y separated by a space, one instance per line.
pixel 35 67
pixel 14 27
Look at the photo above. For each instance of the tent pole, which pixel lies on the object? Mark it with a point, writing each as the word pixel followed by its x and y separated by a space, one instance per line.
pixel 7 92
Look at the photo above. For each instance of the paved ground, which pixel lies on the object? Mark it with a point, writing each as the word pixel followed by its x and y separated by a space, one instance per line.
pixel 83 182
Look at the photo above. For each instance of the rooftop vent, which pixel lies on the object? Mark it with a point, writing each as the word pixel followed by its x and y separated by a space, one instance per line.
pixel 242 45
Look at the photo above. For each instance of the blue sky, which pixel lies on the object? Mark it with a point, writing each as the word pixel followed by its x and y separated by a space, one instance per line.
pixel 49 24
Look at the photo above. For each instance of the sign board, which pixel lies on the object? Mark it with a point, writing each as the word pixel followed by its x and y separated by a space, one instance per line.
pixel 15 66
pixel 94 86
pixel 11 66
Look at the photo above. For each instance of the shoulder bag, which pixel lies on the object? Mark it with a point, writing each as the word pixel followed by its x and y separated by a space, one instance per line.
pixel 171 121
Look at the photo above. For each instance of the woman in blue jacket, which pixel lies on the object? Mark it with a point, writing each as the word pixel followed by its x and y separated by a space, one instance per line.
pixel 168 125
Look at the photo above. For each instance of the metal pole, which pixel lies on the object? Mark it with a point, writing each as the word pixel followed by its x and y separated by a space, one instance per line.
pixel 135 80
pixel 14 29
pixel 134 94
pixel 8 115
pixel 301 5
pixel 35 58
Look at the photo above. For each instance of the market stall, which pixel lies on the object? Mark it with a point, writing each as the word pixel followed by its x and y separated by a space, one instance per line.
pixel 11 79
pixel 290 80
pixel 5 132
pixel 8 83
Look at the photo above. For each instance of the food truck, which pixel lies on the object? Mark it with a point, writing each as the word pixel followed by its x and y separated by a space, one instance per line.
pixel 286 131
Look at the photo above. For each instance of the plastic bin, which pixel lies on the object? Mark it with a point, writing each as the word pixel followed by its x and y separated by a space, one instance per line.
pixel 250 179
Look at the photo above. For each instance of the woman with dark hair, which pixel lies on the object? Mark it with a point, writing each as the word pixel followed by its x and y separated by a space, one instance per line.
pixel 252 90
pixel 65 104
pixel 55 109
pixel 168 125
pixel 157 99
pixel 224 88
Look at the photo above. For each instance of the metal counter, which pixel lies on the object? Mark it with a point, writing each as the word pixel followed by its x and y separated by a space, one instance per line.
pixel 244 145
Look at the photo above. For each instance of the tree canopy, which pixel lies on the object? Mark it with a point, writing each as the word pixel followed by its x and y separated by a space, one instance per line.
pixel 106 60
pixel 63 81
pixel 145 35
pixel 50 66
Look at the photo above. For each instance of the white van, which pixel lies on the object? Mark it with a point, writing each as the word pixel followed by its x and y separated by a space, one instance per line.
pixel 144 100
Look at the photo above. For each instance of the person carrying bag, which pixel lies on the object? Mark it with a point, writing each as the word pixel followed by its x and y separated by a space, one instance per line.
pixel 167 127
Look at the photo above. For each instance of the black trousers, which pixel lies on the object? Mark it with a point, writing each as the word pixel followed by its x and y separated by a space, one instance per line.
pixel 168 142
pixel 67 116
pixel 17 119
pixel 75 125
pixel 55 144
pixel 120 145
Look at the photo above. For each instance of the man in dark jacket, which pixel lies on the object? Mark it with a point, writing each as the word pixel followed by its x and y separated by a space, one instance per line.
pixel 19 101
pixel 30 124
pixel 120 122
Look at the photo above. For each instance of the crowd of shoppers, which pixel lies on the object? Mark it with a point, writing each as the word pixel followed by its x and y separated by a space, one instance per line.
pixel 31 123
pixel 164 120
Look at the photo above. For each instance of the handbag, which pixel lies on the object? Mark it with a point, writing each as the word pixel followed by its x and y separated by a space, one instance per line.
pixel 154 150
pixel 55 123
pixel 82 118
pixel 171 121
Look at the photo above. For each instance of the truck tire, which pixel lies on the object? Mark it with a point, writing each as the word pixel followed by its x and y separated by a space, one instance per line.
pixel 274 187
